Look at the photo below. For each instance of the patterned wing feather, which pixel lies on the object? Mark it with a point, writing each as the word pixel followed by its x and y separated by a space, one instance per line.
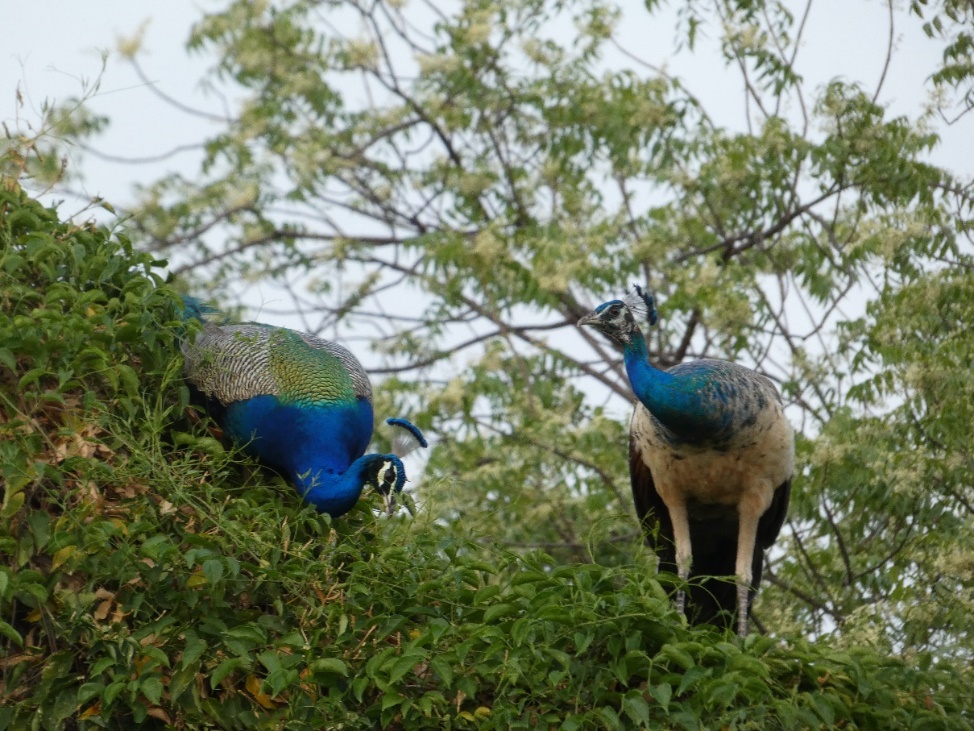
pixel 237 362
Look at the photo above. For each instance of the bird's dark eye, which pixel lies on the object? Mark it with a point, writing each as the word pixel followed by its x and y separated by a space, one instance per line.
pixel 614 310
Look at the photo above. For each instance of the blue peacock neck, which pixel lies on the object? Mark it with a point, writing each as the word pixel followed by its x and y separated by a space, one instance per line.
pixel 331 492
pixel 677 402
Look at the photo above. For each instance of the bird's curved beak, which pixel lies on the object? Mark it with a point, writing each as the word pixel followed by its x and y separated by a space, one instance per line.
pixel 592 318
pixel 389 501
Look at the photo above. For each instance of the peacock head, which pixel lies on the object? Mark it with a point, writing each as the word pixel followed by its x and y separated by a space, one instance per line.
pixel 387 475
pixel 619 319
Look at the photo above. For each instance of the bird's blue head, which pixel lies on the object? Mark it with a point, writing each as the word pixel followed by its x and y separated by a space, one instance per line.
pixel 620 319
pixel 387 475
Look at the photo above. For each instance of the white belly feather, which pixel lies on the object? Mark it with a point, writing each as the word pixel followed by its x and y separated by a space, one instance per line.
pixel 760 459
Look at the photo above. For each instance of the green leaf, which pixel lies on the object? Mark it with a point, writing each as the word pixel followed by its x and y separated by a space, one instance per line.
pixel 224 669
pixel 358 687
pixel 160 657
pixel 691 677
pixel 249 632
pixel 100 666
pixel 195 647
pixel 31 377
pixel 213 570
pixel 329 665
pixel 181 680
pixel 152 689
pixel 128 378
pixel 7 359
pixel 88 691
pixel 442 668
pixel 610 718
pixel 271 661
pixel 635 706
pixel 278 680
pixel 12 505
pixel 404 665
pixel 112 692
pixel 678 656
pixel 11 634
pixel 662 693
pixel 496 611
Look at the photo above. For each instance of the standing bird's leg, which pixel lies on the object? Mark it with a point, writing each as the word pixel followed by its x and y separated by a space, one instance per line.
pixel 681 540
pixel 750 509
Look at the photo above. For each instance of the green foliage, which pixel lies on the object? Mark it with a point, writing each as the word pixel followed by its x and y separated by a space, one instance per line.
pixel 917 341
pixel 461 184
pixel 148 578
pixel 950 21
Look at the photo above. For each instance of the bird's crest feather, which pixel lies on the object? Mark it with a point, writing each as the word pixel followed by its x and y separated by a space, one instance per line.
pixel 641 304
pixel 408 437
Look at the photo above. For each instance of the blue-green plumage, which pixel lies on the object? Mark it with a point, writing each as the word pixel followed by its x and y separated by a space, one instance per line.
pixel 711 456
pixel 702 401
pixel 300 404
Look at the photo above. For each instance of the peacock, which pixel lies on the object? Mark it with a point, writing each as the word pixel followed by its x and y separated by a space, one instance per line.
pixel 299 404
pixel 711 457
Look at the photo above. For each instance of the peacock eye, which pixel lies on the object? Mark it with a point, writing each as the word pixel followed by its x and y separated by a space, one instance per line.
pixel 614 310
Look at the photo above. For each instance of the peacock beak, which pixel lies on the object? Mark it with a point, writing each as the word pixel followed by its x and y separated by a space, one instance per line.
pixel 389 501
pixel 591 318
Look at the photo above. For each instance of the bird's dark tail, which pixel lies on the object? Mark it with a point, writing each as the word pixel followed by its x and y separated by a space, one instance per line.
pixel 713 589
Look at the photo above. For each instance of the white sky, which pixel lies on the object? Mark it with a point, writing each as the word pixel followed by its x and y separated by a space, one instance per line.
pixel 53 61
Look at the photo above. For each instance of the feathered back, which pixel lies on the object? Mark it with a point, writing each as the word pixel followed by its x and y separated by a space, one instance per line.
pixel 299 404
pixel 237 362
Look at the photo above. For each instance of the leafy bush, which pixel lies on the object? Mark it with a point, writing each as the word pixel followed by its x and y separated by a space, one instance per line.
pixel 149 577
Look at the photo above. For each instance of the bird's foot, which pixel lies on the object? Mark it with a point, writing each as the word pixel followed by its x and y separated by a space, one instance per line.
pixel 681 601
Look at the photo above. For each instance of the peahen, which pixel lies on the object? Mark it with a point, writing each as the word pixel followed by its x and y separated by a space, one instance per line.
pixel 711 456
pixel 299 404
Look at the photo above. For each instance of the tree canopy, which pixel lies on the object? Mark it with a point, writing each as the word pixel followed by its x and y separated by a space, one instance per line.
pixel 448 187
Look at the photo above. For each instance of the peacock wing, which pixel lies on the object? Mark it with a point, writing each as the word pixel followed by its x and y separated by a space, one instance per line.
pixel 654 518
pixel 237 362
